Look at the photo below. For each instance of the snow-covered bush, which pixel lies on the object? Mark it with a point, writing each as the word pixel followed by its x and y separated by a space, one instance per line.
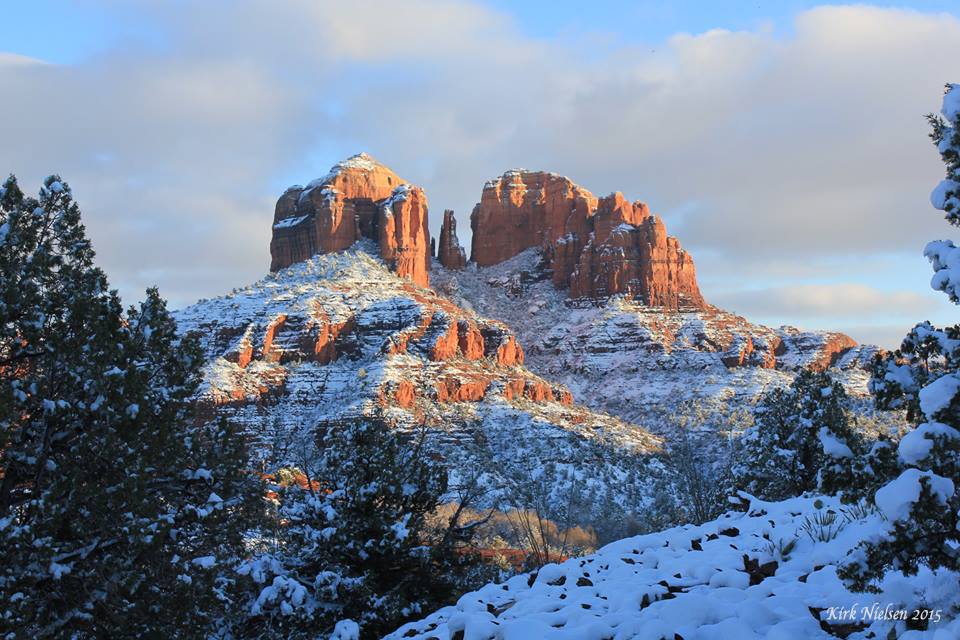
pixel 350 540
pixel 116 511
pixel 918 485
pixel 698 459
pixel 801 441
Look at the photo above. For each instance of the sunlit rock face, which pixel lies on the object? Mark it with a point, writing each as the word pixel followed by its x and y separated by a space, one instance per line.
pixel 358 198
pixel 595 248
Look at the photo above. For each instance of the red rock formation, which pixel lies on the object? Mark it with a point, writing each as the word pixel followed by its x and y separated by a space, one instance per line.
pixel 269 353
pixel 501 345
pixel 446 344
pixel 470 341
pixel 404 394
pixel 597 249
pixel 834 346
pixel 404 237
pixel 333 212
pixel 523 209
pixel 450 254
pixel 563 396
pixel 319 343
pixel 538 391
pixel 464 388
pixel 631 253
pixel 513 389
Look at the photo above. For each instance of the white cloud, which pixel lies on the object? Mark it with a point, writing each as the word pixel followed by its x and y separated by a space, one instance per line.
pixel 848 300
pixel 779 151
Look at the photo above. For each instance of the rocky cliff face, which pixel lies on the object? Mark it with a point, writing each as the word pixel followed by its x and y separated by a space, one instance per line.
pixel 594 248
pixel 359 198
pixel 450 254
pixel 629 252
pixel 404 239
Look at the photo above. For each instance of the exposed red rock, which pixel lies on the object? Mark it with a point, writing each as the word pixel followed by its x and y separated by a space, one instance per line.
pixel 510 353
pixel 538 391
pixel 404 394
pixel 446 344
pixel 470 340
pixel 319 343
pixel 500 343
pixel 332 213
pixel 450 254
pixel 404 237
pixel 631 253
pixel 563 396
pixel 523 209
pixel 596 248
pixel 269 353
pixel 513 389
pixel 834 346
pixel 462 388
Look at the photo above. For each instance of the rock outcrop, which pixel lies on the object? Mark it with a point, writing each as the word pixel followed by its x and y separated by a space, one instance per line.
pixel 450 254
pixel 594 248
pixel 359 198
pixel 404 238
pixel 523 209
pixel 630 252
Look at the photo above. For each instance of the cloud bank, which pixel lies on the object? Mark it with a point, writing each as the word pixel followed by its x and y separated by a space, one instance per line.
pixel 769 156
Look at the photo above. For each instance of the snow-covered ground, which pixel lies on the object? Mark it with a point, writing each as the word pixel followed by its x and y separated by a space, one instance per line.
pixel 733 578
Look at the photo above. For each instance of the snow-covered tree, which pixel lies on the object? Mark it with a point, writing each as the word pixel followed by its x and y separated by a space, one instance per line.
pixel 351 546
pixel 801 440
pixel 920 498
pixel 114 507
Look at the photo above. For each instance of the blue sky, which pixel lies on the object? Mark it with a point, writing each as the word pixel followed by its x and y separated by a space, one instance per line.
pixel 783 142
pixel 65 31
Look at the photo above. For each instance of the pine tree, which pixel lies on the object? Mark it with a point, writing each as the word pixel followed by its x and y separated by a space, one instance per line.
pixel 114 506
pixel 919 494
pixel 351 545
pixel 801 440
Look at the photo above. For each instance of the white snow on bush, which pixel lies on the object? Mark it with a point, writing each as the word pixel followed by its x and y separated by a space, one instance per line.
pixel 937 395
pixel 832 446
pixel 917 444
pixel 346 630
pixel 951 104
pixel 896 498
pixel 941 194
pixel 692 582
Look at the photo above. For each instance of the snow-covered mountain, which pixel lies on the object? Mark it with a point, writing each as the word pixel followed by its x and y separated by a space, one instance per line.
pixel 769 572
pixel 639 362
pixel 340 335
pixel 582 330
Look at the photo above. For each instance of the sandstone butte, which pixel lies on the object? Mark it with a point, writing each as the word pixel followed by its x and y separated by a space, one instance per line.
pixel 596 248
pixel 359 198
